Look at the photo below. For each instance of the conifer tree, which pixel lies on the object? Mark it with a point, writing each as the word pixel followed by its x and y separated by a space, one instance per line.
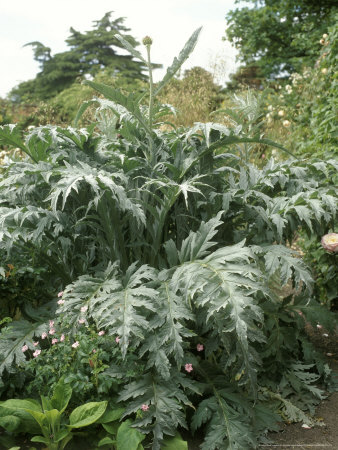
pixel 89 53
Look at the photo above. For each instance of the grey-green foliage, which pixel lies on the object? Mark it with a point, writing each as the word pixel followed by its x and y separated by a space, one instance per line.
pixel 168 239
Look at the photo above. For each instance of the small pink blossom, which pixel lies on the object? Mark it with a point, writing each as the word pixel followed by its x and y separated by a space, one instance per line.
pixel 61 302
pixel 200 347
pixel 188 368
pixel 24 348
pixel 94 351
pixel 52 331
pixel 54 341
pixel 36 353
pixel 117 339
pixel 319 327
pixel 35 344
pixel 101 333
pixel 60 294
pixel 62 338
pixel 144 407
pixel 263 156
pixel 82 320
pixel 44 335
pixel 51 323
pixel 84 309
pixel 76 344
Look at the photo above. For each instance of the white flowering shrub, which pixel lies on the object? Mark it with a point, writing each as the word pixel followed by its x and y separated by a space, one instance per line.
pixel 303 111
pixel 174 243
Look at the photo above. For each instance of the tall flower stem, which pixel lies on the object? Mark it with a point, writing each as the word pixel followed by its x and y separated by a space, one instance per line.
pixel 147 41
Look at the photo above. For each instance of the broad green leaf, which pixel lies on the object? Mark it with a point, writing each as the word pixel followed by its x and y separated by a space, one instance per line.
pixel 177 63
pixel 128 438
pixel 111 415
pixel 10 423
pixel 40 439
pixel 46 404
pixel 40 417
pixel 18 408
pixel 61 435
pixel 111 428
pixel 106 441
pixel 175 443
pixel 53 418
pixel 87 414
pixel 61 396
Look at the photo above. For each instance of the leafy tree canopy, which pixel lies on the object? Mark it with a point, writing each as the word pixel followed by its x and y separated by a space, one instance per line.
pixel 279 35
pixel 89 53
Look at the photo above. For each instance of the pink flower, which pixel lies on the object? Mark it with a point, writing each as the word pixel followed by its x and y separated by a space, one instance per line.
pixel 82 320
pixel 52 331
pixel 60 294
pixel 35 344
pixel 188 368
pixel 62 338
pixel 61 302
pixel 44 335
pixel 51 323
pixel 319 327
pixel 76 344
pixel 84 309
pixel 24 348
pixel 94 351
pixel 144 407
pixel 200 347
pixel 54 341
pixel 36 353
pixel 330 242
pixel 263 156
pixel 101 333
pixel 117 339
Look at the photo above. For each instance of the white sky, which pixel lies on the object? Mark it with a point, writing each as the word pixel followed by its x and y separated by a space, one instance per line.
pixel 169 22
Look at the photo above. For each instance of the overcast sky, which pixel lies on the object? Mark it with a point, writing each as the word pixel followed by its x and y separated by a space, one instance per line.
pixel 169 22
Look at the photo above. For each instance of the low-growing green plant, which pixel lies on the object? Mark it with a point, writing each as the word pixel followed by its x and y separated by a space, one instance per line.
pixel 175 243
pixel 16 415
pixel 81 358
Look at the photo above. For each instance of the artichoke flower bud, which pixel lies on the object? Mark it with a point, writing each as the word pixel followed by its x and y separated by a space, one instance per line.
pixel 147 41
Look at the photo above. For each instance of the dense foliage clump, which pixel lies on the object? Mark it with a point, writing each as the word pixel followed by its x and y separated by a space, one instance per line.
pixel 161 253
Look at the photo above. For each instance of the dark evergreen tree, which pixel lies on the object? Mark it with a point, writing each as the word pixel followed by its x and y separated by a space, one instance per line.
pixel 89 53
